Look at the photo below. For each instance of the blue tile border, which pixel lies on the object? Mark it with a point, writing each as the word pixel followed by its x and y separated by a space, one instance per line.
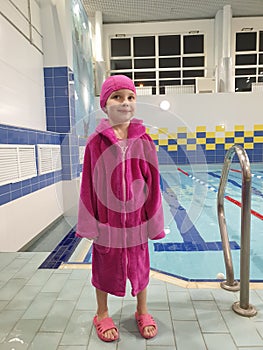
pixel 192 246
pixel 23 136
pixel 60 98
pixel 201 155
pixel 62 252
pixel 16 190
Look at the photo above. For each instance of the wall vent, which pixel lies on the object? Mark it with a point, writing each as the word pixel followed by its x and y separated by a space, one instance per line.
pixel 49 158
pixel 17 163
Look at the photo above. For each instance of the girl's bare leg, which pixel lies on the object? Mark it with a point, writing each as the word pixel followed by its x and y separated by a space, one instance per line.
pixel 142 309
pixel 102 311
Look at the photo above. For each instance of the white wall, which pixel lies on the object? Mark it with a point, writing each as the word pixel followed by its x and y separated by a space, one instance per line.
pixel 57 33
pixel 191 110
pixel 21 66
pixel 22 219
pixel 22 104
pixel 71 197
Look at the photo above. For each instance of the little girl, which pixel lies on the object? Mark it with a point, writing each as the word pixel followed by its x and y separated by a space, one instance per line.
pixel 120 205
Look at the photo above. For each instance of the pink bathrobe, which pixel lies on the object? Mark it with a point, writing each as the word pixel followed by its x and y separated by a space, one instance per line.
pixel 120 206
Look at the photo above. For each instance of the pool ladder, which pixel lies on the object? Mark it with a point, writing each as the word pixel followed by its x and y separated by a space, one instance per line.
pixel 241 307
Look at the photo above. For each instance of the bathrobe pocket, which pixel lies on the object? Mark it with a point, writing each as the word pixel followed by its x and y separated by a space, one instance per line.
pixel 103 241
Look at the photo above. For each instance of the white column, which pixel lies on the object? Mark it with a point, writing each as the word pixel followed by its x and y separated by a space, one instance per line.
pixel 227 59
pixel 227 25
pixel 223 46
pixel 218 48
pixel 100 71
pixel 57 32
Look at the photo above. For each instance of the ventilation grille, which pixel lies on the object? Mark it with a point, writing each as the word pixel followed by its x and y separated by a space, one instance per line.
pixel 17 163
pixel 49 158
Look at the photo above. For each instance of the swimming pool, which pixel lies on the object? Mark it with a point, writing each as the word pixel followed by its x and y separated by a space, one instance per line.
pixel 192 249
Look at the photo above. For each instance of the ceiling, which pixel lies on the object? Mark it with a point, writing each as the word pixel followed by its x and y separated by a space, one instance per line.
pixel 125 11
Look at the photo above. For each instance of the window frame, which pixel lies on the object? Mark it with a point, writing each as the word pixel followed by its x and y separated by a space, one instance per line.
pixel 159 81
pixel 250 78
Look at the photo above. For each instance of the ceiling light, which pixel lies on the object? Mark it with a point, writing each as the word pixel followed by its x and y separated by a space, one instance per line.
pixel 247 29
pixel 165 105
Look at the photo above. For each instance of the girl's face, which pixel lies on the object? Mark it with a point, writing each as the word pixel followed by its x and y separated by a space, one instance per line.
pixel 120 106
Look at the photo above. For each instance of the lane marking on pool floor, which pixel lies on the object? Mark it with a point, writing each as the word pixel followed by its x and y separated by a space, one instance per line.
pixel 192 239
pixel 212 188
pixel 253 175
pixel 254 190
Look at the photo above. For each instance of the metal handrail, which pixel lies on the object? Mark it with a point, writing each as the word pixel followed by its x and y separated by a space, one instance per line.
pixel 241 307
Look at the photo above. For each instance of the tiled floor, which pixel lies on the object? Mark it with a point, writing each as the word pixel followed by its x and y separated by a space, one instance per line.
pixel 44 309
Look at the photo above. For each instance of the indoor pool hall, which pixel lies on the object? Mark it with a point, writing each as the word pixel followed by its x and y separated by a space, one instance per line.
pixel 131 175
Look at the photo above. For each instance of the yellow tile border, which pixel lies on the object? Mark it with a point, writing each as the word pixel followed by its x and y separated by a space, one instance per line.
pixel 65 266
pixel 230 134
pixel 172 147
pixel 239 128
pixel 201 128
pixel 220 128
pixel 200 141
pixel 191 147
pixel 195 284
pixel 249 145
pixel 191 135
pixel 166 278
pixel 172 136
pixel 228 145
pixel 182 129
pixel 163 142
pixel 181 141
pixel 239 139
pixel 249 134
pixel 258 139
pixel 210 146
pixel 163 130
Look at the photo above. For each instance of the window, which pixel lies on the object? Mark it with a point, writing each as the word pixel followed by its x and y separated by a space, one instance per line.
pixel 120 64
pixel 144 46
pixel 246 41
pixel 144 63
pixel 120 47
pixel 169 45
pixel 170 62
pixel 193 44
pixel 248 59
pixel 159 60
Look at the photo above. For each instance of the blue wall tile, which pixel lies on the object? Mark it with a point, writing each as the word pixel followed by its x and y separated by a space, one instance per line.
pixel 61 71
pixel 5 198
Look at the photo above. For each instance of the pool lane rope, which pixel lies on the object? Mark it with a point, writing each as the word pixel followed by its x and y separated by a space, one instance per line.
pixel 252 175
pixel 212 188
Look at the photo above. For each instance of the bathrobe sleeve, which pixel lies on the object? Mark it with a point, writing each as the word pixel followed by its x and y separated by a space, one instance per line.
pixel 153 204
pixel 87 223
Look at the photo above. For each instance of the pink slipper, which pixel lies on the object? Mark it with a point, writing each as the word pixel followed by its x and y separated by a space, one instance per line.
pixel 143 321
pixel 103 326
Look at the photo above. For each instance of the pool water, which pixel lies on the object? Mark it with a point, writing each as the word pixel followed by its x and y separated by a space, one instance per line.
pixel 192 248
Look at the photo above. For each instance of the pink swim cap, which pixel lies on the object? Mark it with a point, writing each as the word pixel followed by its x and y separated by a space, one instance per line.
pixel 114 83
